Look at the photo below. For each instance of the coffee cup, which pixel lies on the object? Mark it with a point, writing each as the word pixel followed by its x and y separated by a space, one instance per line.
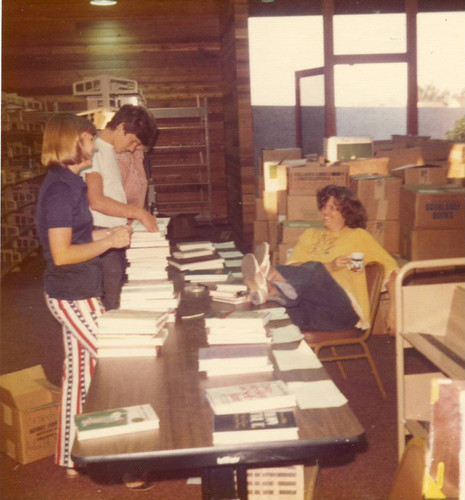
pixel 356 262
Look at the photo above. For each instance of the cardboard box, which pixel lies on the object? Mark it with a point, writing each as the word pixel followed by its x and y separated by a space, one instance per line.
pixel 435 149
pixel 421 244
pixel 302 208
pixel 379 195
pixel 285 250
pixel 292 229
pixel 260 231
pixel 29 415
pixel 309 179
pixel 421 174
pixel 387 233
pixel 373 166
pixel 432 207
pixel 275 174
pixel 401 157
pixel 271 205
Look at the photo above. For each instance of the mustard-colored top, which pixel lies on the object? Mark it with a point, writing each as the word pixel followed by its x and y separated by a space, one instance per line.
pixel 324 246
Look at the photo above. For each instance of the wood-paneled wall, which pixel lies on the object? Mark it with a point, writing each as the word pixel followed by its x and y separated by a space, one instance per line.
pixel 171 48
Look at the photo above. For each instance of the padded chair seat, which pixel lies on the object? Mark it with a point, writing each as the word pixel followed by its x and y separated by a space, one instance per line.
pixel 318 336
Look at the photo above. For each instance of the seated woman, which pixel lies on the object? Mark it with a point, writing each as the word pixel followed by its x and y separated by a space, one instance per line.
pixel 317 286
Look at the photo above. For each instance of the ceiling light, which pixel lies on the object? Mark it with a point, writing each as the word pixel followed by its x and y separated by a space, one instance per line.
pixel 103 3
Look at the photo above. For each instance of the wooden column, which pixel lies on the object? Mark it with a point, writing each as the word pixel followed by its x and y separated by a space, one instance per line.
pixel 411 9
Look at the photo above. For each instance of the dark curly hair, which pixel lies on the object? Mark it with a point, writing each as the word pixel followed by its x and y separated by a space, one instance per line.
pixel 349 205
pixel 137 120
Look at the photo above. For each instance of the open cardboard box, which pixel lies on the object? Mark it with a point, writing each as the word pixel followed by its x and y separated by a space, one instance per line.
pixel 29 406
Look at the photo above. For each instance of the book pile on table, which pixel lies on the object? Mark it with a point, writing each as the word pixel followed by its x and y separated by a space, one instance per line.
pixel 234 359
pixel 250 397
pixel 230 293
pixel 147 253
pixel 149 295
pixel 195 255
pixel 269 425
pixel 116 421
pixel 237 327
pixel 125 333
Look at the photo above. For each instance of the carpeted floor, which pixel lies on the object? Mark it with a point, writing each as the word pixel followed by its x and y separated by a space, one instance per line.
pixel 31 336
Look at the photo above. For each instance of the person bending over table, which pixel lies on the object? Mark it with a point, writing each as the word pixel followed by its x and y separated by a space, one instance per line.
pixel 73 273
pixel 318 288
pixel 130 127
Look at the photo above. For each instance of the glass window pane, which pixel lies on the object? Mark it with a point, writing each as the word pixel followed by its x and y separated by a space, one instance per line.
pixel 370 34
pixel 371 100
pixel 279 46
pixel 441 72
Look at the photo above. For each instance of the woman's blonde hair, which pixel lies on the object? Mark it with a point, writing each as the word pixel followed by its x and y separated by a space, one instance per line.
pixel 62 139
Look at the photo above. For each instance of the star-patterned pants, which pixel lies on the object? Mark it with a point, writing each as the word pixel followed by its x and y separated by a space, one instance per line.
pixel 79 320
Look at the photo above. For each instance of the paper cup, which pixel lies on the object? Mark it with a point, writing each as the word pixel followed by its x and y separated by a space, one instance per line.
pixel 356 262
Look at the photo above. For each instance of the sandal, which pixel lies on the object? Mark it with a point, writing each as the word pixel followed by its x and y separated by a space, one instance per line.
pixel 262 254
pixel 254 279
pixel 137 482
pixel 71 473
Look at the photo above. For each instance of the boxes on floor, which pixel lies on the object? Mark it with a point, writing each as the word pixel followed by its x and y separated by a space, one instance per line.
pixel 266 231
pixel 421 174
pixel 435 149
pixel 302 208
pixel 271 158
pixel 270 205
pixel 29 415
pixel 379 195
pixel 292 229
pixel 373 166
pixel 307 180
pixel 275 174
pixel 432 206
pixel 387 233
pixel 420 244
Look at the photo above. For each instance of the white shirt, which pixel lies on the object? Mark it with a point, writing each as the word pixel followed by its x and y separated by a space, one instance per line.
pixel 105 163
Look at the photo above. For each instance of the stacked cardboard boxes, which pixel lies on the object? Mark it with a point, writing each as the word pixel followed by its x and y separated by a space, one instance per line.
pixel 432 221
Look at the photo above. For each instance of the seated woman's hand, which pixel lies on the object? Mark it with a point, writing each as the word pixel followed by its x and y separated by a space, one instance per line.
pixel 337 264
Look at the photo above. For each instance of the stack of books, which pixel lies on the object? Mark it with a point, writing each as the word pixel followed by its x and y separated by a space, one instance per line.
pixel 230 293
pixel 195 255
pixel 237 327
pixel 252 397
pixel 262 426
pixel 125 333
pixel 208 275
pixel 149 295
pixel 234 359
pixel 233 257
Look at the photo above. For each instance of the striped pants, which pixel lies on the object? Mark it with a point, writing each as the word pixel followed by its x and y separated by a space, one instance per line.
pixel 79 320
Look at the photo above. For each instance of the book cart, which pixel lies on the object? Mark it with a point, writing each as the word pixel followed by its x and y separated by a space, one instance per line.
pixel 430 318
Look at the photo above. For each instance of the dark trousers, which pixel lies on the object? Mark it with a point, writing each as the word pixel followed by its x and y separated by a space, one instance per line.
pixel 321 303
pixel 113 268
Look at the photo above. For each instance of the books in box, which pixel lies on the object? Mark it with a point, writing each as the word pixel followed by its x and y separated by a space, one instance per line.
pixel 116 422
pixel 245 398
pixel 270 425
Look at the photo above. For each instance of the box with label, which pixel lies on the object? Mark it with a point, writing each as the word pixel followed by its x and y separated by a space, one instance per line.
pixel 373 166
pixel 275 174
pixel 401 157
pixel 29 415
pixel 421 244
pixel 292 229
pixel 432 206
pixel 311 178
pixel 279 155
pixel 421 174
pixel 379 195
pixel 302 208
pixel 387 233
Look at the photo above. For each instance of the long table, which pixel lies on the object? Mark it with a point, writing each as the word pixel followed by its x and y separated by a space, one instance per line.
pixel 175 388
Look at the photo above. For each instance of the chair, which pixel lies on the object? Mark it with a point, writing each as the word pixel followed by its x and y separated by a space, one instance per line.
pixel 408 480
pixel 318 340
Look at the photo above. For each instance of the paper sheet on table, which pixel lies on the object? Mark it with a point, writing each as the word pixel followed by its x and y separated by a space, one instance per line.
pixel 230 254
pixel 226 244
pixel 233 263
pixel 278 313
pixel 319 394
pixel 297 359
pixel 288 333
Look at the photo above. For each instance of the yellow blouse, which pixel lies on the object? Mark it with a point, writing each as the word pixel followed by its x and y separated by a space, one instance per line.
pixel 324 246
